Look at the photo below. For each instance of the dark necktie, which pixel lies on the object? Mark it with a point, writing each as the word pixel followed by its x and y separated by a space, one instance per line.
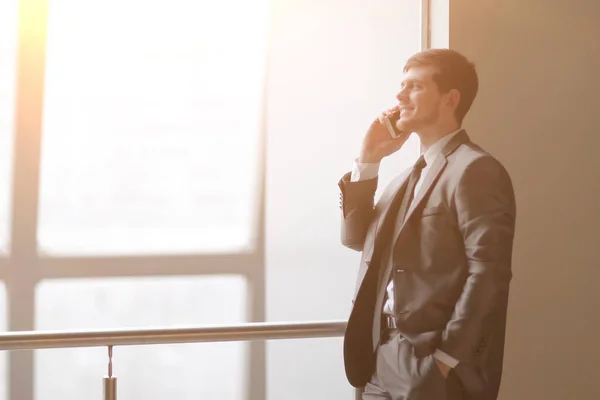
pixel 415 174
pixel 410 189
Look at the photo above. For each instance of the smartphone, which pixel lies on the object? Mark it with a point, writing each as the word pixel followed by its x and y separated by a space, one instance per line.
pixel 390 123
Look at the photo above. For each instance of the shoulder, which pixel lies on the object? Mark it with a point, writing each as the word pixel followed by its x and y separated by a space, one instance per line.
pixel 481 178
pixel 471 159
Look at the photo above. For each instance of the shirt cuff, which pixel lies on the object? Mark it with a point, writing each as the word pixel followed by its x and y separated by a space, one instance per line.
pixel 445 358
pixel 363 171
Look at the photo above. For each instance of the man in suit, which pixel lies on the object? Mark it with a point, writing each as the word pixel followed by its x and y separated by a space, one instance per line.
pixel 429 313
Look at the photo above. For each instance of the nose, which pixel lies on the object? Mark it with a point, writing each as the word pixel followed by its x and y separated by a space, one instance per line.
pixel 402 95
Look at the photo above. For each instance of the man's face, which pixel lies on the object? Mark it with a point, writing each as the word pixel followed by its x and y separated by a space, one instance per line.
pixel 420 100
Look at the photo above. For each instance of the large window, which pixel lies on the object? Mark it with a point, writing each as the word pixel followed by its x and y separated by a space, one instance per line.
pixel 175 163
pixel 138 129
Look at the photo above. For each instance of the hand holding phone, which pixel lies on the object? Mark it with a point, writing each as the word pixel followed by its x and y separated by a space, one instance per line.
pixel 390 123
pixel 383 137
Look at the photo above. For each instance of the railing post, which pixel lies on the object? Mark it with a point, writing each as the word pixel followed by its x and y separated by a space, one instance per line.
pixel 358 393
pixel 110 382
pixel 110 388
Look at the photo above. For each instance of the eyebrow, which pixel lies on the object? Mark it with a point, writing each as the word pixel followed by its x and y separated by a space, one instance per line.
pixel 411 80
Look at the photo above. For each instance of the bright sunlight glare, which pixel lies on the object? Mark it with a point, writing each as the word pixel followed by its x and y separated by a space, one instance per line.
pixel 151 123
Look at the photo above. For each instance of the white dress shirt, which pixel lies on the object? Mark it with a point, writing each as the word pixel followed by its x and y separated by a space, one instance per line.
pixel 364 171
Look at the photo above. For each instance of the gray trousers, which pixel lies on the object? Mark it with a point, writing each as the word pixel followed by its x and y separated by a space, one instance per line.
pixel 399 375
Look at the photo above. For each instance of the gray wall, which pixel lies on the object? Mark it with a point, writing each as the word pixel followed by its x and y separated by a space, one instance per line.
pixel 537 111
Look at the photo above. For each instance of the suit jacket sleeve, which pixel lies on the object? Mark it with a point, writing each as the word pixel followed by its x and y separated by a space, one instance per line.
pixel 485 210
pixel 357 205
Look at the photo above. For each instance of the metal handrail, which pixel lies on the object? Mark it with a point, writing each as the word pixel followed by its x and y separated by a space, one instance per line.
pixel 143 336
pixel 167 335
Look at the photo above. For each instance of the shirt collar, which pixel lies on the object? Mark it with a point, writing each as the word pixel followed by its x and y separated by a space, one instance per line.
pixel 435 149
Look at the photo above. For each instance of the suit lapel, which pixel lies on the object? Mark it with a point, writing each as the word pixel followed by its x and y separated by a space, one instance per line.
pixel 382 210
pixel 432 175
pixel 396 186
pixel 436 169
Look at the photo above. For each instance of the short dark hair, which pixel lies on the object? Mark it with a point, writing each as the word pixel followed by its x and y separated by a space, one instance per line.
pixel 455 72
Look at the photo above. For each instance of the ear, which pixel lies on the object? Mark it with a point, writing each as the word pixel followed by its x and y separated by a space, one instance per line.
pixel 453 98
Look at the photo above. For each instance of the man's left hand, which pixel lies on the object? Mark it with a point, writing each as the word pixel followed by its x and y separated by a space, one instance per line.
pixel 444 369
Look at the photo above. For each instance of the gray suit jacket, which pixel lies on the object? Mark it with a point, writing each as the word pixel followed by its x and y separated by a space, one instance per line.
pixel 452 264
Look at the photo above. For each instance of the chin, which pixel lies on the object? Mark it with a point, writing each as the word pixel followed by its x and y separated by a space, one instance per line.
pixel 404 125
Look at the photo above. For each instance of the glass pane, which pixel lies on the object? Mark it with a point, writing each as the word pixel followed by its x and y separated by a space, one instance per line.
pixel 151 123
pixel 316 373
pixel 8 59
pixel 183 371
pixel 365 48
